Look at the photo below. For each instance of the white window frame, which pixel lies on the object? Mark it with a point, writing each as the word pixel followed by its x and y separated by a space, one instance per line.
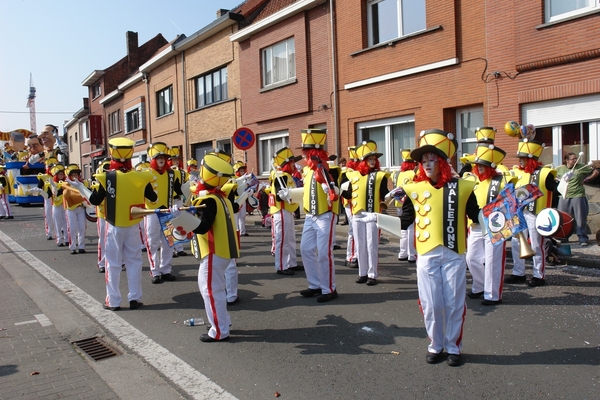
pixel 114 122
pixel 387 149
pixel 401 28
pixel 265 157
pixel 141 118
pixel 164 101
pixel 465 135
pixel 85 131
pixel 586 6
pixel 206 98
pixel 96 90
pixel 268 59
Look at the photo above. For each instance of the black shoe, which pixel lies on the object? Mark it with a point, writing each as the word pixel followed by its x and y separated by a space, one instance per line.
pixel 12 217
pixel 515 279
pixel 49 238
pixel 284 272
pixel 111 308
pixel 362 279
pixel 207 339
pixel 123 268
pixel 73 251
pixel 82 251
pixel 182 253
pixel 433 358
pixel 474 295
pixel 297 268
pixel 352 264
pixel 61 245
pixel 344 223
pixel 486 302
pixel 245 234
pixel 402 258
pixel 175 255
pixel 454 360
pixel 2 217
pixel 371 282
pixel 326 297
pixel 412 261
pixel 144 250
pixel 230 303
pixel 310 292
pixel 156 279
pixel 536 282
pixel 168 277
pixel 337 247
pixel 134 304
pixel 101 270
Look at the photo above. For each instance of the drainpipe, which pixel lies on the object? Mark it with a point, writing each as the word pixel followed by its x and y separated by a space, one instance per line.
pixel 334 77
pixel 185 121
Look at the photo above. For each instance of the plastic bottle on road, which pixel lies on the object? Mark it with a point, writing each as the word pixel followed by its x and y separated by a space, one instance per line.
pixel 193 321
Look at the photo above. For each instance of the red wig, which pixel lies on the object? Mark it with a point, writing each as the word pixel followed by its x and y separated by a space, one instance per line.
pixel 351 164
pixel 320 153
pixel 289 167
pixel 531 165
pixel 488 172
pixel 445 173
pixel 364 169
pixel 154 166
pixel 124 166
pixel 408 166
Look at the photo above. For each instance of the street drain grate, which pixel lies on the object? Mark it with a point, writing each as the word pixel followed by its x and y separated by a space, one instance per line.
pixel 96 348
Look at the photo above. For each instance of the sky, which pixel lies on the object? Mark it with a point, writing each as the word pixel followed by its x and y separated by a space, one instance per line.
pixel 61 42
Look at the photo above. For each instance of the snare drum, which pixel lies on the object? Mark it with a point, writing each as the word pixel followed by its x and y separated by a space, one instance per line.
pixel 90 214
pixel 551 222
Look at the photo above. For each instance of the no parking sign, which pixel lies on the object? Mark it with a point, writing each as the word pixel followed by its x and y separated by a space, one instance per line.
pixel 243 138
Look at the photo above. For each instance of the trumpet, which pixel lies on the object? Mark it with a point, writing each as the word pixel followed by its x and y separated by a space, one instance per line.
pixel 525 250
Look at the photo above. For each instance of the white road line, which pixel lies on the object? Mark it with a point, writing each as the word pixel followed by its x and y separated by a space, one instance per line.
pixel 178 371
pixel 33 321
pixel 43 320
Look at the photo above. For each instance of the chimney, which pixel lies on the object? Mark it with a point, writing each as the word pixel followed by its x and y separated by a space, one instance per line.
pixel 221 12
pixel 132 42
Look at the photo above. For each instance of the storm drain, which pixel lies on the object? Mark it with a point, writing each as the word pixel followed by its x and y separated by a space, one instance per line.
pixel 96 349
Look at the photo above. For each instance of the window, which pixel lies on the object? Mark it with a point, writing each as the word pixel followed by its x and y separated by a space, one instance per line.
pixel 114 122
pixel 85 131
pixel 391 19
pixel 70 142
pixel 164 101
pixel 268 145
pixel 279 63
pixel 225 145
pixel 391 135
pixel 134 118
pixel 211 88
pixel 467 122
pixel 560 9
pixel 96 90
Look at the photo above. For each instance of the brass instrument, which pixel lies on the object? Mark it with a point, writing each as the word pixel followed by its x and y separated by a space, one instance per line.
pixel 525 250
pixel 139 212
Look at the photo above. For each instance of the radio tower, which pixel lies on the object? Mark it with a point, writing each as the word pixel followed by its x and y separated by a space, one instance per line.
pixel 31 105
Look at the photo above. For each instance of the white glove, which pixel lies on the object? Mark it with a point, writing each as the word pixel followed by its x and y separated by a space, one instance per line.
pixel 325 187
pixel 174 209
pixel 284 194
pixel 34 158
pixel 371 217
pixel 243 197
pixel 202 193
pixel 241 187
pixel 345 186
pixel 75 183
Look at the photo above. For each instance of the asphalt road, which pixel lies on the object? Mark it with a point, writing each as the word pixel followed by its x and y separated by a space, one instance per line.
pixel 369 343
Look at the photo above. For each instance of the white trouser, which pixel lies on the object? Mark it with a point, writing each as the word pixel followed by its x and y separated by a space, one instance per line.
pixel 486 263
pixel 60 224
pixel 442 283
pixel 240 219
pixel 49 220
pixel 211 281
pixel 350 246
pixel 537 244
pixel 231 280
pixel 407 243
pixel 101 224
pixel 160 255
pixel 123 247
pixel 316 248
pixel 76 219
pixel 178 246
pixel 284 236
pixel 367 249
pixel 4 206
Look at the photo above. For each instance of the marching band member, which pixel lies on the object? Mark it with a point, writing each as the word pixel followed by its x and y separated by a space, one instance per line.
pixel 282 210
pixel 530 170
pixel 218 244
pixel 240 217
pixel 440 238
pixel 192 167
pixel 5 212
pixel 160 254
pixel 405 175
pixel 58 212
pixel 75 213
pixel 485 260
pixel 367 191
pixel 321 197
pixel 176 165
pixel 347 173
pixel 45 184
pixel 121 188
pixel 101 221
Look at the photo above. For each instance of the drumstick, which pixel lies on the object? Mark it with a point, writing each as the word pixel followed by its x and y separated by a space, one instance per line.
pixel 138 212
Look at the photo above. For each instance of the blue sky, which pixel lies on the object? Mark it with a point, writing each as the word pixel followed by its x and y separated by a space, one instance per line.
pixel 61 42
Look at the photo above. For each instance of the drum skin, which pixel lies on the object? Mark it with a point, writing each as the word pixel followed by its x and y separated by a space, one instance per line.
pixel 554 223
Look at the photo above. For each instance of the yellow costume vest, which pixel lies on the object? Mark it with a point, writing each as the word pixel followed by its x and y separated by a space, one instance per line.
pixel 274 205
pixel 221 239
pixel 539 178
pixel 315 200
pixel 440 214
pixel 401 178
pixel 163 186
pixel 123 191
pixel 365 192
pixel 57 200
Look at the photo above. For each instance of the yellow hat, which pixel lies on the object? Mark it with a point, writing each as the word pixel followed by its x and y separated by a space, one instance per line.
pixel 530 149
pixel 314 138
pixel 406 155
pixel 121 149
pixel 103 166
pixel 367 148
pixel 239 165
pixel 467 158
pixel 283 156
pixel 72 168
pixel 158 149
pixel 221 154
pixel 50 161
pixel 56 169
pixel 435 141
pixel 488 154
pixel 485 134
pixel 174 152
pixel 191 162
pixel 142 166
pixel 352 153
pixel 215 171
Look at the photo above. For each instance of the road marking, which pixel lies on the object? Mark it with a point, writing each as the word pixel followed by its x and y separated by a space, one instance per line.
pixel 41 318
pixel 175 369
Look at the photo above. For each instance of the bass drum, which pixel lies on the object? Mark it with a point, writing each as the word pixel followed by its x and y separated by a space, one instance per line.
pixel 551 222
pixel 90 214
